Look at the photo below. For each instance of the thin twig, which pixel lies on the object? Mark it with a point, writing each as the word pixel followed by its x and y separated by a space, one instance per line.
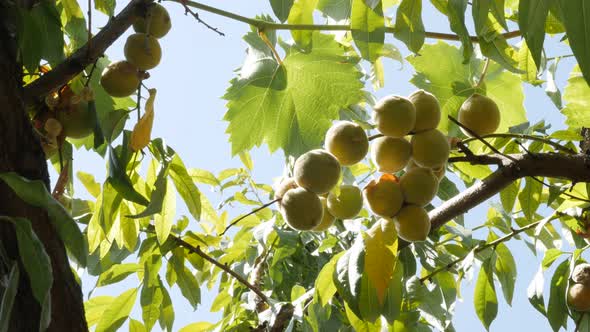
pixel 197 250
pixel 62 180
pixel 542 139
pixel 89 77
pixel 260 24
pixel 249 214
pixel 481 248
pixel 196 16
pixel 472 133
pixel 563 193
pixel 263 36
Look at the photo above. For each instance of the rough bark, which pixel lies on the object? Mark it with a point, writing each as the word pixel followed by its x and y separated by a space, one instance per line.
pixel 20 151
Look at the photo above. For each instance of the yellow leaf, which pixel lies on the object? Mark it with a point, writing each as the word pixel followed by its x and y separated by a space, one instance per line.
pixel 381 255
pixel 140 137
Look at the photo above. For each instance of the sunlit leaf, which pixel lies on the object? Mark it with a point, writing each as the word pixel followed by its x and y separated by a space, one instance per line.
pixel 484 297
pixel 557 307
pixel 576 18
pixel 531 21
pixel 302 13
pixel 36 194
pixel 142 131
pixel 368 29
pixel 290 106
pixel 408 24
pixel 117 312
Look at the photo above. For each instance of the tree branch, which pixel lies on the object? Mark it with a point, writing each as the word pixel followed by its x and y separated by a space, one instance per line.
pixel 575 168
pixel 260 24
pixel 482 248
pixel 87 54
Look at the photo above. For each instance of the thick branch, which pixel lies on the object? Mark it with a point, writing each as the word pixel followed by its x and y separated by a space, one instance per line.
pixel 575 168
pixel 262 25
pixel 87 54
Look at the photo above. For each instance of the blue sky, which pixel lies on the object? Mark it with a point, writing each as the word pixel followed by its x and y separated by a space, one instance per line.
pixel 196 67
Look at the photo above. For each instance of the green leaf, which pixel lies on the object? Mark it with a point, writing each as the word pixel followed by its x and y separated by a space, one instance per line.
pixel 508 195
pixel 151 301
pixel 484 297
pixel 576 18
pixel 116 273
pixel 203 176
pixel 456 13
pixel 498 12
pixel 107 7
pixel 368 29
pixel 494 46
pixel 577 102
pixel 480 10
pixel 530 198
pixel 531 21
pixel 535 292
pixel 290 106
pixel 95 307
pixel 166 318
pixel 324 284
pixel 185 186
pixel 408 24
pixel 117 312
pixel 163 220
pixel 551 89
pixel 434 76
pixel 393 299
pixel 197 327
pixel 281 8
pixel 505 270
pixel 112 123
pixel 348 274
pixel 121 182
pixel 35 193
pixel 186 281
pixel 10 288
pixel 557 306
pixel 337 10
pixel 550 256
pixel 302 13
pixel 136 326
pixel 527 65
pixel 34 258
pixel 39 35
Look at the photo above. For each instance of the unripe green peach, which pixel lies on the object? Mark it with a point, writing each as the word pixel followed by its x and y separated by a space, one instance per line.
pixel 581 274
pixel 419 186
pixel 52 127
pixel 284 186
pixel 143 51
pixel 578 297
pixel 480 114
pixel 317 171
pixel 120 79
pixel 394 116
pixel 412 223
pixel 158 20
pixel 327 219
pixel 348 142
pixel 347 204
pixel 427 110
pixel 430 149
pixel 302 209
pixel 391 154
pixel 384 196
pixel 77 120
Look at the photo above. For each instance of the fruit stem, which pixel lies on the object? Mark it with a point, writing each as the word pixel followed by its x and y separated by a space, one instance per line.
pixel 556 145
pixel 472 133
pixel 249 214
pixel 484 72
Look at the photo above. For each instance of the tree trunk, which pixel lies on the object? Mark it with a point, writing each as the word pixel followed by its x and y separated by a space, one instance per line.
pixel 20 152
